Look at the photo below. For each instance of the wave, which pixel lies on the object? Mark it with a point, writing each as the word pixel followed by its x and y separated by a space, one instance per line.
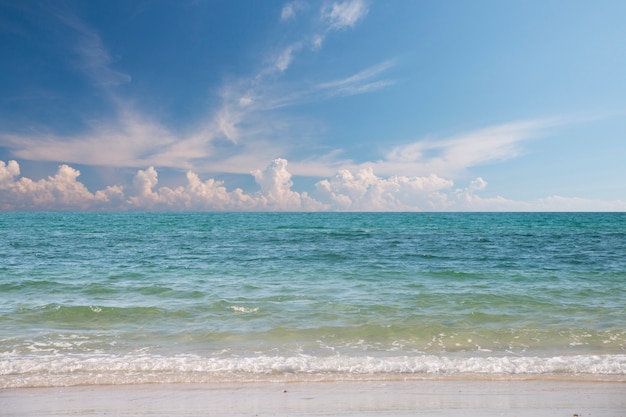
pixel 68 370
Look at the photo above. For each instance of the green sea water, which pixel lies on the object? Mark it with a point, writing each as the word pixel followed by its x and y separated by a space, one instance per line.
pixel 93 298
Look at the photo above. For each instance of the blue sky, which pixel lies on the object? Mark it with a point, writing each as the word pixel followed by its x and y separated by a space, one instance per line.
pixel 313 105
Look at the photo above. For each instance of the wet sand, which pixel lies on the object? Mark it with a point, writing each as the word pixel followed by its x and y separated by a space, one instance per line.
pixel 366 398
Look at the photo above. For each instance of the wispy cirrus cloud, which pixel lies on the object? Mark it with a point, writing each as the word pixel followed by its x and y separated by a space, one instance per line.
pixel 339 16
pixel 447 157
pixel 452 155
pixel 362 82
pixel 286 56
pixel 291 9
pixel 127 141
pixel 241 132
pixel 242 120
pixel 333 17
pixel 344 15
pixel 276 95
pixel 96 63
pixel 93 58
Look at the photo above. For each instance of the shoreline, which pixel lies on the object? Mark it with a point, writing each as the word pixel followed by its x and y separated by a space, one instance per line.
pixel 444 397
pixel 13 382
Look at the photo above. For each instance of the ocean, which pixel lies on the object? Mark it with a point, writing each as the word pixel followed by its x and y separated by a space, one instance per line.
pixel 128 298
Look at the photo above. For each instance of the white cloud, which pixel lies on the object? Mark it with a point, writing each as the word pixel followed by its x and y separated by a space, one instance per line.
pixel 130 141
pixel 143 182
pixel 96 63
pixel 246 101
pixel 241 127
pixel 478 184
pixel 8 172
pixel 344 14
pixel 276 194
pixel 452 155
pixel 339 16
pixel 196 195
pixel 213 195
pixel 316 41
pixel 447 157
pixel 59 192
pixel 227 121
pixel 287 12
pixel 362 190
pixel 362 82
pixel 276 95
pixel 94 59
pixel 466 200
pixel 136 141
pixel 286 56
pixel 290 10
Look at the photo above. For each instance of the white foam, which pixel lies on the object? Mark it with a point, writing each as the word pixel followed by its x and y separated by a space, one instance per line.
pixel 239 309
pixel 63 370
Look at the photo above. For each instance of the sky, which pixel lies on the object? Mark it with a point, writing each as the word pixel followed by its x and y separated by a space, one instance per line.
pixel 307 105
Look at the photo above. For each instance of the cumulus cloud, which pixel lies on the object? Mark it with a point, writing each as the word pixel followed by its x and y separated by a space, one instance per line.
pixel 196 195
pixel 276 194
pixel 63 191
pixel 478 184
pixel 364 191
pixel 59 192
pixel 361 190
pixel 8 172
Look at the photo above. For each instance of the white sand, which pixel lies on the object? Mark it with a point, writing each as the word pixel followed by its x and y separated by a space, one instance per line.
pixel 402 398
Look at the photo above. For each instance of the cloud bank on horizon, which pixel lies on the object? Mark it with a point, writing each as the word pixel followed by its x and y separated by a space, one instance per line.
pixel 376 106
pixel 361 191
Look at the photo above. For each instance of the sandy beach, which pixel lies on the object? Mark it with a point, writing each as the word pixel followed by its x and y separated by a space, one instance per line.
pixel 367 398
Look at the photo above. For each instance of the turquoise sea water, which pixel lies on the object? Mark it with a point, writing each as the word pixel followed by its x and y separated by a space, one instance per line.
pixel 91 298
